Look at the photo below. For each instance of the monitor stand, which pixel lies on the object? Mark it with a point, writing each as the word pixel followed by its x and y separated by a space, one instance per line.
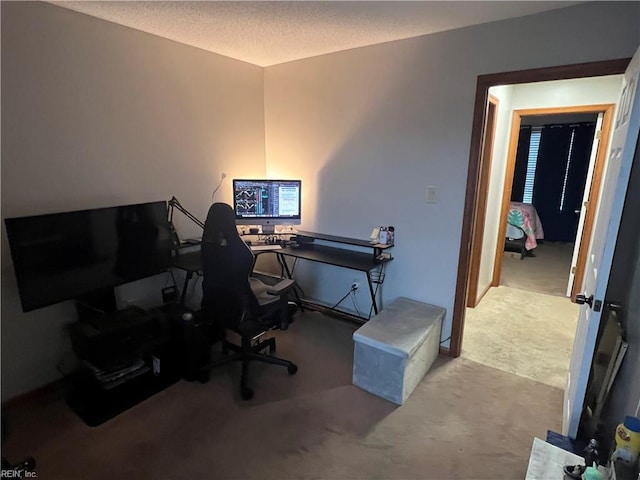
pixel 268 229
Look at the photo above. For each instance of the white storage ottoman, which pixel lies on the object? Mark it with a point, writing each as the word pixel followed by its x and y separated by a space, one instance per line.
pixel 394 349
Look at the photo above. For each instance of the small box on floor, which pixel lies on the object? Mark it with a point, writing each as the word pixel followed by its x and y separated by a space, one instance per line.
pixel 394 349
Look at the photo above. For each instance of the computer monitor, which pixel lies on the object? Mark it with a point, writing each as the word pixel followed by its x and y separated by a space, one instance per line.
pixel 267 202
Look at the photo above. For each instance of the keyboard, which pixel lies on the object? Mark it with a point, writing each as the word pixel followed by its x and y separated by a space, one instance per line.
pixel 259 248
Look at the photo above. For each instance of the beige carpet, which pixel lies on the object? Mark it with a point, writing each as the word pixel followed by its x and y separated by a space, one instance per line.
pixel 464 421
pixel 525 333
pixel 547 272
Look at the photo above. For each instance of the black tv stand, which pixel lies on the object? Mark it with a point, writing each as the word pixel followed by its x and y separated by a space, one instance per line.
pixel 125 357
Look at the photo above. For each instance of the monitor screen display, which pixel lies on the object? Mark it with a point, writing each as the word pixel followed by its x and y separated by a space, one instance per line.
pixel 62 256
pixel 267 202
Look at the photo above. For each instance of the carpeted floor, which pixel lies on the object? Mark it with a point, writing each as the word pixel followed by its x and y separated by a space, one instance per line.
pixel 464 421
pixel 547 272
pixel 521 332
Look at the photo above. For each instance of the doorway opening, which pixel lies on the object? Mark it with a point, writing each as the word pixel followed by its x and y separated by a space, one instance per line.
pixel 553 171
pixel 555 191
pixel 527 325
pixel 595 69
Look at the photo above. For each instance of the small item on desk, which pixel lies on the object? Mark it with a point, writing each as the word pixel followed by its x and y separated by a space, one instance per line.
pixel 375 235
pixel 385 235
pixel 382 235
pixel 254 231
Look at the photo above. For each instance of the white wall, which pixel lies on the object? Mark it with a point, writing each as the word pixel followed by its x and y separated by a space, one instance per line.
pixel 565 93
pixel 504 95
pixel 368 129
pixel 95 114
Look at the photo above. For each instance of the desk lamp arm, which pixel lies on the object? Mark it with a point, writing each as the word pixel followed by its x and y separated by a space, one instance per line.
pixel 175 204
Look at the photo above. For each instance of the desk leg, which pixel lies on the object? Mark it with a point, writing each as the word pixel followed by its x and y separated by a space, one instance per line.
pixel 283 262
pixel 373 294
pixel 187 279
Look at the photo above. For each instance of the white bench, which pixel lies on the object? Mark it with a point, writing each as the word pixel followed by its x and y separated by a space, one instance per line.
pixel 394 349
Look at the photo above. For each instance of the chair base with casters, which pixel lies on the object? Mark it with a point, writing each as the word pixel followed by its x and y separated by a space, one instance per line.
pixel 247 352
pixel 516 240
pixel 277 314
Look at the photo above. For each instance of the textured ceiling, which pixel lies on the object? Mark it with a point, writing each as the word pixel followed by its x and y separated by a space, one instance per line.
pixel 266 33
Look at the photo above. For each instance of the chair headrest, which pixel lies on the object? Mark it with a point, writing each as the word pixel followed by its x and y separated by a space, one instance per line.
pixel 221 221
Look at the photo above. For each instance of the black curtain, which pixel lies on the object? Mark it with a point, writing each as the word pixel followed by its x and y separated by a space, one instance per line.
pixel 522 158
pixel 559 220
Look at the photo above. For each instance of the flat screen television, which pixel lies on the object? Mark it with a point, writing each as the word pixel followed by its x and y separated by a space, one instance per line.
pixel 65 256
pixel 267 202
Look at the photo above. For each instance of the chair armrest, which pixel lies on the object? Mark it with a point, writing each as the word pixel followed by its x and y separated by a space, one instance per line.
pixel 282 287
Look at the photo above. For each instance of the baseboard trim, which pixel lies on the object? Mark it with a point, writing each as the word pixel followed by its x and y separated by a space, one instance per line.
pixel 482 294
pixel 445 351
pixel 34 395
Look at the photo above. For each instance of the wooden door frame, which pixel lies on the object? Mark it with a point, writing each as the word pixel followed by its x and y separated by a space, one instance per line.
pixel 477 239
pixel 594 191
pixel 484 82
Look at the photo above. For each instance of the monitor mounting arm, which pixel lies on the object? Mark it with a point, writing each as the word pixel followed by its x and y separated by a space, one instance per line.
pixel 174 204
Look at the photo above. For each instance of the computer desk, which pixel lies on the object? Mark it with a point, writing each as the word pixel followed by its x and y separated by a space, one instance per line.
pixel 190 262
pixel 371 259
pixel 372 262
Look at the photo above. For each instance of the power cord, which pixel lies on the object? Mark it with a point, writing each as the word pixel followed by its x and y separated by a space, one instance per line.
pixel 222 177
pixel 340 301
pixel 353 300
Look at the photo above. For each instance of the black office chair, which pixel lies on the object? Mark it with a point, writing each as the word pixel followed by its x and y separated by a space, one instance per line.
pixel 234 301
pixel 516 240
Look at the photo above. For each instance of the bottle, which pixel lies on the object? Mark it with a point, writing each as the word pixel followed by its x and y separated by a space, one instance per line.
pixel 383 237
pixel 627 440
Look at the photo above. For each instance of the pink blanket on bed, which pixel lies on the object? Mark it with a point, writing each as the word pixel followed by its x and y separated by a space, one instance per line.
pixel 526 217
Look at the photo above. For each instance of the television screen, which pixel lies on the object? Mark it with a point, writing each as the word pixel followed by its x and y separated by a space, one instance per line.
pixel 62 256
pixel 267 202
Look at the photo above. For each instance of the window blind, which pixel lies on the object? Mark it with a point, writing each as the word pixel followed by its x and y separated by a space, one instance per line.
pixel 532 160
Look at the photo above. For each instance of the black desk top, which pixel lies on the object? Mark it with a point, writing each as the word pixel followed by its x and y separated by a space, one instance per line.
pixel 192 261
pixel 334 256
pixel 188 261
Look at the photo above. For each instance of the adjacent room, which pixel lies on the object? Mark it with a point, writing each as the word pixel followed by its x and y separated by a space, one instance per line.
pixel 365 114
pixel 529 274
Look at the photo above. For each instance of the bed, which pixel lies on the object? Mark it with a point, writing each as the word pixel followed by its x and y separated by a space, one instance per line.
pixel 523 222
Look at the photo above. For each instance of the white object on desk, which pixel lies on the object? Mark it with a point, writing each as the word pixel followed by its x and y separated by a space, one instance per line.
pixel 375 235
pixel 259 248
pixel 547 461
